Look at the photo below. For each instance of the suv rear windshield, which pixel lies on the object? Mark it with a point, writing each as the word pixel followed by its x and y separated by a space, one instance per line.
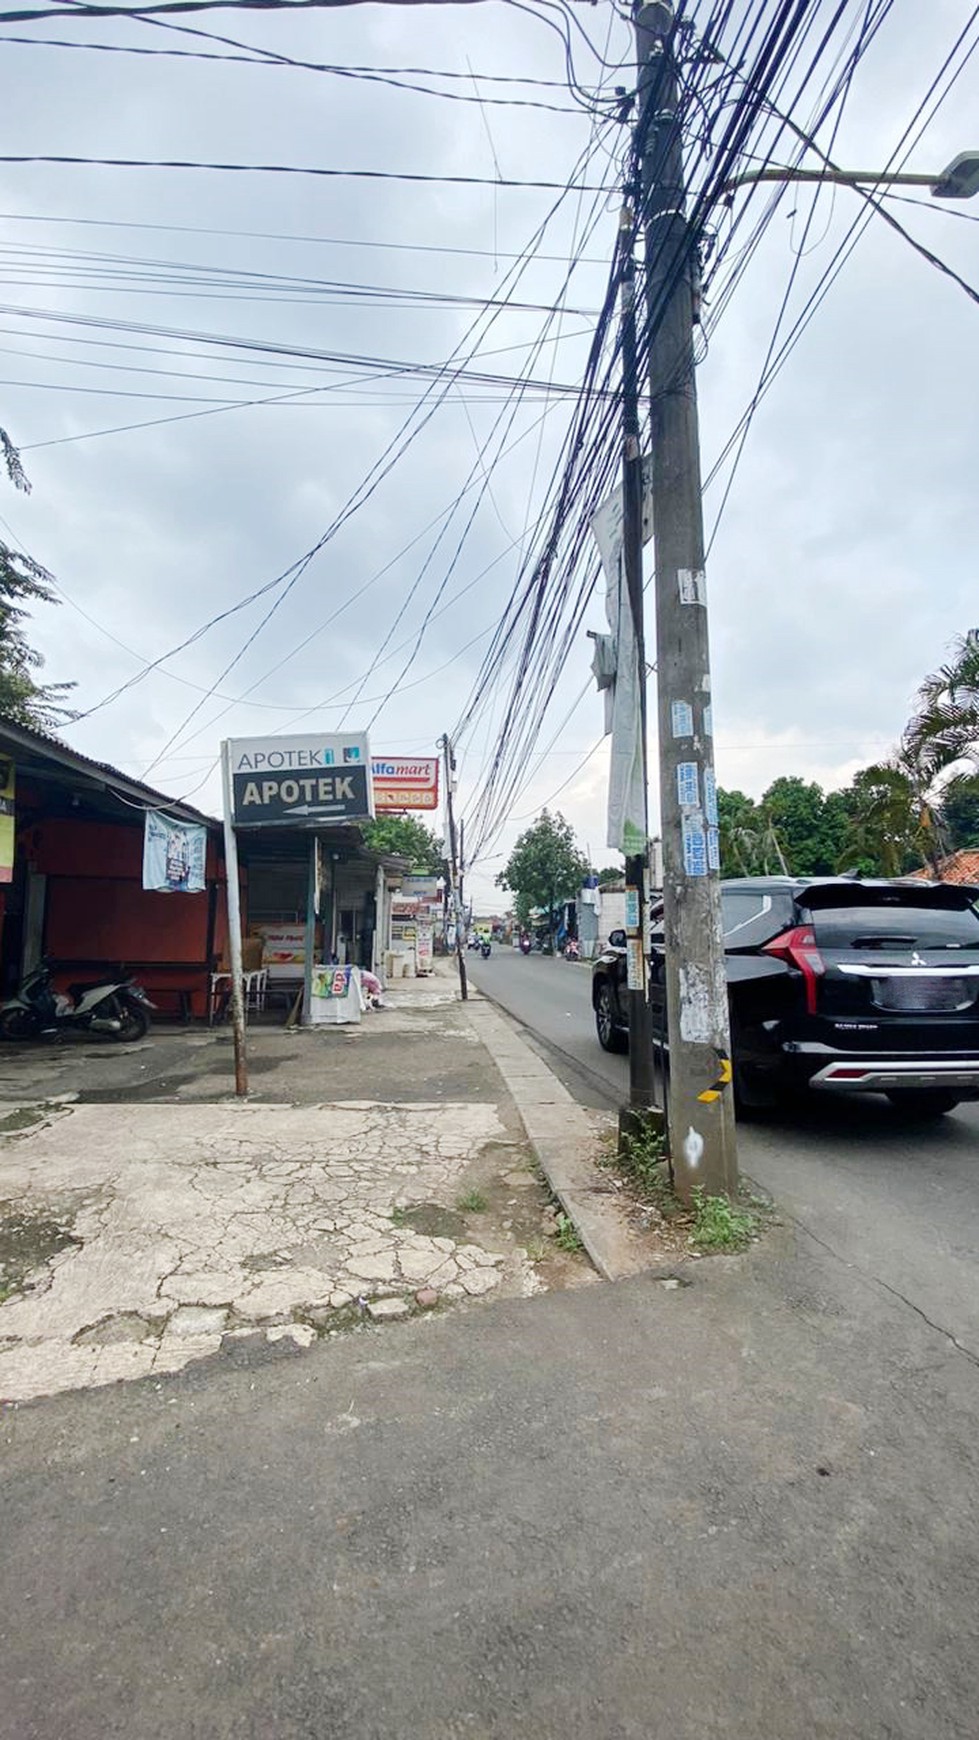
pixel 871 926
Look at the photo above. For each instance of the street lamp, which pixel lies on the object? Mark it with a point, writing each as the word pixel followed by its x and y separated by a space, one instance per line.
pixel 960 180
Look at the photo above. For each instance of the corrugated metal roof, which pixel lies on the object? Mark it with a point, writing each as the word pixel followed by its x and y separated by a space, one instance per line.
pixel 145 796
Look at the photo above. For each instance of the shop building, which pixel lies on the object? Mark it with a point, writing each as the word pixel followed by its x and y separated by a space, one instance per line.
pixel 71 877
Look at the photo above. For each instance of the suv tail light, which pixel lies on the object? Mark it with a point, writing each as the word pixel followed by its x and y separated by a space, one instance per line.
pixel 798 947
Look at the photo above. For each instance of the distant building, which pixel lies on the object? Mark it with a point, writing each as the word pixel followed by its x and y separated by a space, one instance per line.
pixel 961 868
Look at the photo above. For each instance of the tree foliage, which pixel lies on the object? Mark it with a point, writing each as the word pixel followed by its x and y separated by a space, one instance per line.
pixel 545 866
pixel 24 700
pixel 611 873
pixel 912 809
pixel 960 812
pixel 796 829
pixel 749 844
pixel 885 833
pixel 944 727
pixel 405 837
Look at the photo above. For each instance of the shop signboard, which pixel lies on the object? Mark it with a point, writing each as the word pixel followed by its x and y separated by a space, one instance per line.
pixel 283 949
pixel 299 781
pixel 424 948
pixel 7 818
pixel 423 888
pixel 402 784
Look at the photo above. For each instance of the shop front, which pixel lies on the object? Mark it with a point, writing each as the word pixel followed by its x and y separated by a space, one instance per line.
pixel 73 875
pixel 324 877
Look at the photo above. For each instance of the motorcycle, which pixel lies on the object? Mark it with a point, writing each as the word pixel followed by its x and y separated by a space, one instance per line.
pixel 525 945
pixel 485 950
pixel 571 950
pixel 119 1008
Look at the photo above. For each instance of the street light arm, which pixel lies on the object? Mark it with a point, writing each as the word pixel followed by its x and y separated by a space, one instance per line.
pixel 843 177
pixel 959 180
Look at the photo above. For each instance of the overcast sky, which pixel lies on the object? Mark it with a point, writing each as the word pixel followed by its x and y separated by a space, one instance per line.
pixel 843 564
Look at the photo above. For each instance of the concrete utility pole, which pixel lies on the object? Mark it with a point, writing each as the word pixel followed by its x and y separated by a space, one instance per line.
pixel 234 926
pixel 700 1101
pixel 642 1071
pixel 456 888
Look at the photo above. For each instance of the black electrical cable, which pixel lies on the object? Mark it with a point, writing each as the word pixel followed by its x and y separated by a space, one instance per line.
pixel 421 415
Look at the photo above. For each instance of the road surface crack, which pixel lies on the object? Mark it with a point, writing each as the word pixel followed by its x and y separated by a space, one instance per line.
pixel 878 1281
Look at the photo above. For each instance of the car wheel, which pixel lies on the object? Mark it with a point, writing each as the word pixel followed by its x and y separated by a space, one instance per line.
pixel 923 1103
pixel 610 1036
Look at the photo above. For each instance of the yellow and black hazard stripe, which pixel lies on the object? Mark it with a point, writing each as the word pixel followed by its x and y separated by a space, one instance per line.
pixel 717 1087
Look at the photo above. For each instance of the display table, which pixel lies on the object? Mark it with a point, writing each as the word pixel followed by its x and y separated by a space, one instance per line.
pixel 336 996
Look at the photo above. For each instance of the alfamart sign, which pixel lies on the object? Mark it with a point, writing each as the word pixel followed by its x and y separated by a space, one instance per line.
pixel 302 780
pixel 400 784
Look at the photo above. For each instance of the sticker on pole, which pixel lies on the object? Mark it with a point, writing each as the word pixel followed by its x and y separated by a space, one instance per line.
pixel 694 848
pixel 681 715
pixel 693 585
pixel 632 909
pixel 720 1082
pixel 687 785
pixel 713 849
pixel 710 797
pixel 635 964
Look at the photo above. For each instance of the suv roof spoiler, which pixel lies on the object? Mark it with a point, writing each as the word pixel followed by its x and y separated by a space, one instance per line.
pixel 904 892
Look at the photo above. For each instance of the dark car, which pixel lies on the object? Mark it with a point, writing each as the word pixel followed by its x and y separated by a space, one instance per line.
pixel 837 984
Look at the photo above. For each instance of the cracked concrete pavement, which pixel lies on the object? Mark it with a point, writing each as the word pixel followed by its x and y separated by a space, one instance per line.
pixel 159 1228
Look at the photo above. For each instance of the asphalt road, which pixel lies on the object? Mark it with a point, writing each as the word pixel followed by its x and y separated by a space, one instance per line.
pixel 898 1202
pixel 738 1509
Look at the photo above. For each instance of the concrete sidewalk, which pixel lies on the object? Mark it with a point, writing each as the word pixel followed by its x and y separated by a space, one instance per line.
pixel 374 1172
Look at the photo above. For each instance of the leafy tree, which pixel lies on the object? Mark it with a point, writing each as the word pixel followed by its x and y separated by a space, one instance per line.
pixel 544 867
pixel 884 834
pixel 810 828
pixel 405 837
pixel 22 581
pixel 959 806
pixel 611 873
pixel 743 831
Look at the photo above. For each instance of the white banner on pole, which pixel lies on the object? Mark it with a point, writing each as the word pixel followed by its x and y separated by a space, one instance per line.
pixel 627 824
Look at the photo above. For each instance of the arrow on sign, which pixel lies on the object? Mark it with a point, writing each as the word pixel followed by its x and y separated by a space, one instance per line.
pixel 315 810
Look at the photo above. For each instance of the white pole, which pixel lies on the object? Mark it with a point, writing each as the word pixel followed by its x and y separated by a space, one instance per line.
pixel 234 925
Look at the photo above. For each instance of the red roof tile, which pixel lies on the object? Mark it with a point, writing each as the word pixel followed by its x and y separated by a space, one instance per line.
pixel 961 868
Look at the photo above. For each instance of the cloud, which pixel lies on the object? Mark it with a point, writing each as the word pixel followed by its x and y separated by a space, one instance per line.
pixel 844 560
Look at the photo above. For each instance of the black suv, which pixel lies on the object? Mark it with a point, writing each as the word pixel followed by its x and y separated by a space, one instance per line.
pixel 868 987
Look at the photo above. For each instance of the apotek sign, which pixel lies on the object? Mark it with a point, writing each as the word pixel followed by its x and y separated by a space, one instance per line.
pixel 400 784
pixel 300 780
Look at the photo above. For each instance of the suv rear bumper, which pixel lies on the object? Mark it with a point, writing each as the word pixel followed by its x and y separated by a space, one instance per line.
pixel 881 1075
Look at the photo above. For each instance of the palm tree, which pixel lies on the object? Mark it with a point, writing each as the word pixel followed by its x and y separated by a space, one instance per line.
pixel 889 820
pixel 944 728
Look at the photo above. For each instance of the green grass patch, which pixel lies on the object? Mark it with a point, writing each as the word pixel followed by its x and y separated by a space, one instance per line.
pixel 642 1159
pixel 472 1202
pixel 720 1225
pixel 566 1236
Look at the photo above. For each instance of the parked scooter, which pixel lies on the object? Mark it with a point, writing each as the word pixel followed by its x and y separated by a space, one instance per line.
pixel 119 1008
pixel 571 950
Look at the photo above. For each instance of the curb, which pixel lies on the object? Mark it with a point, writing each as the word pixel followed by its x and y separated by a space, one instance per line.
pixel 562 1140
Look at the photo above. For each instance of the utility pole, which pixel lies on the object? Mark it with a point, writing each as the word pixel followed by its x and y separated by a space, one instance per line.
pixel 700 1099
pixel 232 892
pixel 456 888
pixel 642 1074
